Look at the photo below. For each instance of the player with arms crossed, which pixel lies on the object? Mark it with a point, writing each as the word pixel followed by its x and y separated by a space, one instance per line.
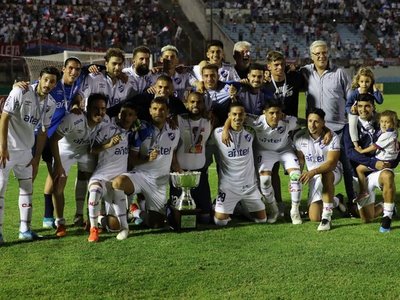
pixel 323 167
pixel 23 113
pixel 236 174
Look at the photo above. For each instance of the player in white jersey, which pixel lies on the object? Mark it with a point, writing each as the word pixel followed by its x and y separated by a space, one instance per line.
pixel 71 144
pixel 273 144
pixel 169 59
pixel 215 55
pixel 195 129
pixel 139 73
pixel 109 84
pixel 324 170
pixel 112 144
pixel 23 113
pixel 237 179
pixel 153 152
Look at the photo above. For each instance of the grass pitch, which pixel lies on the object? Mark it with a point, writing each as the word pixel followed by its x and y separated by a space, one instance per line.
pixel 241 261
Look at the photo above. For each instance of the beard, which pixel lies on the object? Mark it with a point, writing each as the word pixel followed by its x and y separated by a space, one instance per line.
pixel 142 70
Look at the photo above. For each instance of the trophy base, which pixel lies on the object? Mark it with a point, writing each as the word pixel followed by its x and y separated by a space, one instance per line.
pixel 184 219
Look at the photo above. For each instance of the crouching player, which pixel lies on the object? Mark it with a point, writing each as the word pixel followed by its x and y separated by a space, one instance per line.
pixel 112 145
pixel 152 157
pixel 324 170
pixel 236 174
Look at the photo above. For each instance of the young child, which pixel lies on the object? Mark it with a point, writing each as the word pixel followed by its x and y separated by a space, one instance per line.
pixel 363 83
pixel 386 147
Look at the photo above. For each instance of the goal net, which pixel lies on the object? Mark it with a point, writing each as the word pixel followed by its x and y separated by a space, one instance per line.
pixel 37 63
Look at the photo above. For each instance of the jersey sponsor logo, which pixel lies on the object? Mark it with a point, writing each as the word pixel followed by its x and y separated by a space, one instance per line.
pixel 80 141
pixel 165 151
pixel 78 121
pixel 238 152
pixel 60 104
pixel 171 136
pixel 121 150
pixel 311 158
pixel 102 85
pixel 31 119
pixel 271 140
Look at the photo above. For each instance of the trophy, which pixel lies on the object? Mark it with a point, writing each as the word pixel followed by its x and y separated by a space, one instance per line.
pixel 184 207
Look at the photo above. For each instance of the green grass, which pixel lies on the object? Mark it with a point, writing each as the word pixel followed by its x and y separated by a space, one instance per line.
pixel 242 261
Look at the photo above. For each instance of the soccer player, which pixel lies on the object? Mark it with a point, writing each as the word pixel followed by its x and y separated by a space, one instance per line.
pixel 252 95
pixel 323 167
pixel 328 88
pixel 139 72
pixel 110 83
pixel 236 174
pixel 71 144
pixel 154 147
pixel 23 113
pixel 381 175
pixel 215 56
pixel 112 145
pixel 195 129
pixel 273 144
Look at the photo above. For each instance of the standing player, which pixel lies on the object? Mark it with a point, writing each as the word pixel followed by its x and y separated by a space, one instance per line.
pixel 323 167
pixel 153 154
pixel 236 174
pixel 139 72
pixel 112 145
pixel 71 143
pixel 195 129
pixel 23 113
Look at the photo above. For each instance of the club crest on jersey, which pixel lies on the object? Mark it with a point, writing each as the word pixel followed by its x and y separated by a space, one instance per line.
pixel 281 129
pixel 171 136
pixel 178 80
pixel 224 73
pixel 121 88
pixel 247 137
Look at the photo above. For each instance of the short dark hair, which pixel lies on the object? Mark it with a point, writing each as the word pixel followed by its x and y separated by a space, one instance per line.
pixel 368 97
pixel 72 58
pixel 130 105
pixel 160 100
pixel 51 70
pixel 140 49
pixel 236 104
pixel 255 66
pixel 96 96
pixel 316 111
pixel 273 103
pixel 114 52
pixel 210 67
pixel 216 43
pixel 164 77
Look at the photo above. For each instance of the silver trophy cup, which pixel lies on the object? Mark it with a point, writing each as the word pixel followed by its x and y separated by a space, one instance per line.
pixel 185 181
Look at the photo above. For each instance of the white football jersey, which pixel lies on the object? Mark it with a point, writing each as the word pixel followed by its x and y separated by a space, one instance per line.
pixel 165 141
pixel 272 139
pixel 388 146
pixel 100 83
pixel 193 137
pixel 27 113
pixel 138 83
pixel 114 160
pixel 315 152
pixel 236 164
pixel 77 135
pixel 226 73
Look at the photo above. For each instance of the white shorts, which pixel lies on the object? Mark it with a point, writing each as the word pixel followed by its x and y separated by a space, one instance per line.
pixel 154 190
pixel 228 198
pixel 266 159
pixel 372 183
pixel 17 163
pixel 315 185
pixel 86 162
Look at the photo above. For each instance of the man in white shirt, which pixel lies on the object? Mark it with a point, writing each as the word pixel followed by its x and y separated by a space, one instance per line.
pixel 153 152
pixel 24 112
pixel 324 170
pixel 139 72
pixel 70 144
pixel 236 174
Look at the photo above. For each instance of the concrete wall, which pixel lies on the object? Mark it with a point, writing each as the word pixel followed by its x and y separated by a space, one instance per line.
pixel 195 11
